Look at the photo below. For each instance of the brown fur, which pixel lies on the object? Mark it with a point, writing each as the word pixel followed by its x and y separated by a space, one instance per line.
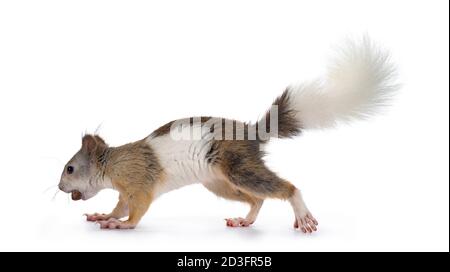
pixel 165 129
pixel 134 171
pixel 121 209
pixel 133 163
pixel 288 125
pixel 241 162
pixel 224 188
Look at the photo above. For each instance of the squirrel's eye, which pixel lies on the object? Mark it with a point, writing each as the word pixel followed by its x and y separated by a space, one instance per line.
pixel 69 169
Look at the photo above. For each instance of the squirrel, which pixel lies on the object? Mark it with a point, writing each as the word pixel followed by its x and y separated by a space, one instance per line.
pixel 226 156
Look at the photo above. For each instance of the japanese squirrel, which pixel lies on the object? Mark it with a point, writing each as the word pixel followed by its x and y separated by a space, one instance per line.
pixel 226 156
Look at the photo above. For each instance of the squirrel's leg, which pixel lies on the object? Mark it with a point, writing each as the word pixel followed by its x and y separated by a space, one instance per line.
pixel 249 219
pixel 121 210
pixel 138 204
pixel 252 177
pixel 226 190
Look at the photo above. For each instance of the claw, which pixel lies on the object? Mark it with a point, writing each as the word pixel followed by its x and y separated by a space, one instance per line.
pixel 115 224
pixel 238 222
pixel 306 223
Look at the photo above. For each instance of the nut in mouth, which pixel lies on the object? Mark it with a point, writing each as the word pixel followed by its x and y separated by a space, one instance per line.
pixel 76 195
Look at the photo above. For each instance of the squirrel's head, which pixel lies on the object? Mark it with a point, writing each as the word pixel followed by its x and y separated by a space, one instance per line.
pixel 82 174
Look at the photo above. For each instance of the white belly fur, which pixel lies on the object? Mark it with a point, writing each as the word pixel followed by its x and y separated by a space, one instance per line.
pixel 184 162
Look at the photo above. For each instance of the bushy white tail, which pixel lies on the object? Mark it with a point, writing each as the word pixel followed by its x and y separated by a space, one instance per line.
pixel 358 82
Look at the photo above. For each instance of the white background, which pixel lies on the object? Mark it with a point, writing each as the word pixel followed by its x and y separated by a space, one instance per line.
pixel 68 66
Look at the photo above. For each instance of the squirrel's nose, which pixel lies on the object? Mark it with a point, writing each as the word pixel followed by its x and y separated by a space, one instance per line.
pixel 61 187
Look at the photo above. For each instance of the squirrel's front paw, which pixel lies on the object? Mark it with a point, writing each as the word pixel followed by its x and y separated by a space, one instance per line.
pixel 96 217
pixel 113 223
pixel 238 222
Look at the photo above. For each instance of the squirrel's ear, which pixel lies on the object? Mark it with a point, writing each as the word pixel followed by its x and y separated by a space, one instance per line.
pixel 100 140
pixel 88 144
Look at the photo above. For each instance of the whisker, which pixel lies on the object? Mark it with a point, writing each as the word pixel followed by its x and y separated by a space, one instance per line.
pixel 46 190
pixel 98 128
pixel 54 196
